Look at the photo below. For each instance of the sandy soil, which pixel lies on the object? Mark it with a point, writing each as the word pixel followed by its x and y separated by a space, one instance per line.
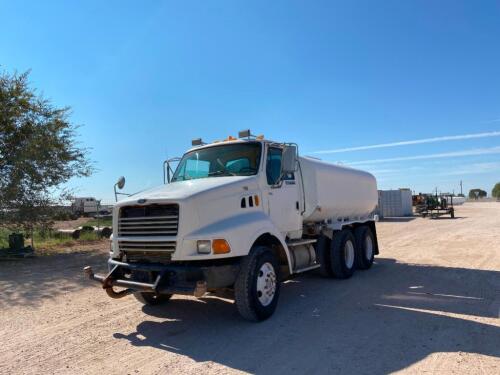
pixel 430 304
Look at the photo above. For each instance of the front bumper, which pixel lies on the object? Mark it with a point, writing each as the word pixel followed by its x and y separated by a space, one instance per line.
pixel 164 279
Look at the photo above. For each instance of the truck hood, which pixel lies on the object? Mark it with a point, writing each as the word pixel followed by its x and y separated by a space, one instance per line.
pixel 185 189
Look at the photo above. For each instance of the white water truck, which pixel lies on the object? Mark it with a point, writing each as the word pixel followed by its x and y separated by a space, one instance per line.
pixel 240 216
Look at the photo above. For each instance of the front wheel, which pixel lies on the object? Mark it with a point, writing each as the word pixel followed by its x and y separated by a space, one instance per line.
pixel 257 286
pixel 148 298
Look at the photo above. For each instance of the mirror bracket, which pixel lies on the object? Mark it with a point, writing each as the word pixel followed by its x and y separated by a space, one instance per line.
pixel 168 171
pixel 119 184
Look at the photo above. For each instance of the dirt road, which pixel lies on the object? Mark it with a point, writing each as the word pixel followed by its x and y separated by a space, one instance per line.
pixel 430 304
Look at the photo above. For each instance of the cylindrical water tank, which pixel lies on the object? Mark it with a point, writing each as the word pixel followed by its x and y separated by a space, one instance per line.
pixel 336 192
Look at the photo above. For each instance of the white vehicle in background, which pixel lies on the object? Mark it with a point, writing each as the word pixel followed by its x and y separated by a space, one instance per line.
pixel 84 206
pixel 241 215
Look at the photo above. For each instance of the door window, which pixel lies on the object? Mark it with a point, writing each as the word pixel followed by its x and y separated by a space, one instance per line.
pixel 273 165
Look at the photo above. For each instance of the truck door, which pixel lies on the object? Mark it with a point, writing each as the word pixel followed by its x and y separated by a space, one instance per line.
pixel 282 196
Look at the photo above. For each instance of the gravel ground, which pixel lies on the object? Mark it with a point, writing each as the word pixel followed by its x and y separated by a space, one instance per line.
pixel 430 304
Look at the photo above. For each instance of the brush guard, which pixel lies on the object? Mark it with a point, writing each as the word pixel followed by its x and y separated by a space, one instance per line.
pixel 163 279
pixel 167 279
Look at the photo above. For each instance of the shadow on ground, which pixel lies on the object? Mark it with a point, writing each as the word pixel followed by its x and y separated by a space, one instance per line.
pixel 30 281
pixel 381 320
pixel 397 219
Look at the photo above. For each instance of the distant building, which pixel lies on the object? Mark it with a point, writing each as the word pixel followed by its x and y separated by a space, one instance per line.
pixel 395 203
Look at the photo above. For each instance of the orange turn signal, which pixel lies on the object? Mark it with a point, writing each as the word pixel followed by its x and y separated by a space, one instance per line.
pixel 220 246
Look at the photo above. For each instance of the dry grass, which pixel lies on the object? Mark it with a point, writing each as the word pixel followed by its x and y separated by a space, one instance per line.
pixel 55 242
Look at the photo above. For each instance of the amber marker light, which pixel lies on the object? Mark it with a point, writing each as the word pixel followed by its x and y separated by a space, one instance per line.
pixel 220 246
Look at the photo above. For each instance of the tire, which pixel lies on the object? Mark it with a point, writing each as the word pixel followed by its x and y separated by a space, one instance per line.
pixel 148 298
pixel 252 301
pixel 365 247
pixel 76 234
pixel 323 251
pixel 343 254
pixel 152 299
pixel 106 232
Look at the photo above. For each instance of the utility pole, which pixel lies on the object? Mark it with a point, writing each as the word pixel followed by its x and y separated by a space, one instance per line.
pixel 461 193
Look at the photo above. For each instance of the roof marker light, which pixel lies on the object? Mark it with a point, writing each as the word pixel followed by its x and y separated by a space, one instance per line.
pixel 197 142
pixel 244 133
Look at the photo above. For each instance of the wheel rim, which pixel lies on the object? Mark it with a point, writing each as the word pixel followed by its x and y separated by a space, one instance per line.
pixel 349 254
pixel 266 284
pixel 368 247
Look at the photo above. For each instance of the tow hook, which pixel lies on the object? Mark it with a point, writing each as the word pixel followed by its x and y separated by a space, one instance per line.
pixel 108 288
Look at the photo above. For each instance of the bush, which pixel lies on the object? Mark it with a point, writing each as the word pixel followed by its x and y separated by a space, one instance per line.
pixel 495 193
pixel 477 194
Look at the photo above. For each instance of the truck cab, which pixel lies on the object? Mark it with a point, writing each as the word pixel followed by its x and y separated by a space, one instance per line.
pixel 235 215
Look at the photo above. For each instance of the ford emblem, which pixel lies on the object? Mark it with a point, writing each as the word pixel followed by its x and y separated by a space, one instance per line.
pixel 141 201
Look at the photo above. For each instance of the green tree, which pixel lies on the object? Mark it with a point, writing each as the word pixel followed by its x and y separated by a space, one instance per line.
pixel 495 193
pixel 477 194
pixel 38 153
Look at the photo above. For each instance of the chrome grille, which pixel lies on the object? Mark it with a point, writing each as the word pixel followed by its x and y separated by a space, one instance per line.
pixel 149 257
pixel 152 220
pixel 140 246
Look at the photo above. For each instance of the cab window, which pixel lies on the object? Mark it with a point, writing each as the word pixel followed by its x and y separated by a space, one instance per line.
pixel 273 165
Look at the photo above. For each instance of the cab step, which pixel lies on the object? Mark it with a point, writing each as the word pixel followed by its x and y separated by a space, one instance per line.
pixel 301 242
pixel 308 268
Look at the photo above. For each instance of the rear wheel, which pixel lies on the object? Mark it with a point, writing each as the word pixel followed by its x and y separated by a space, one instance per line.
pixel 343 254
pixel 257 285
pixel 365 247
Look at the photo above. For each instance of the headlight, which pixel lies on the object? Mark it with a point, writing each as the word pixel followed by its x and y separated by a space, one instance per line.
pixel 204 246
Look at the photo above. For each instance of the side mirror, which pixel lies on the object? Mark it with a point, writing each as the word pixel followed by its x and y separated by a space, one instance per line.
pixel 289 159
pixel 121 182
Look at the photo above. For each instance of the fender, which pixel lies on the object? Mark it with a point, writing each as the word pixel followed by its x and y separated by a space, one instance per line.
pixel 271 229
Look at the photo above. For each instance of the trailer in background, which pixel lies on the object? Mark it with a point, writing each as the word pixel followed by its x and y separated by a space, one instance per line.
pixel 434 205
pixel 85 206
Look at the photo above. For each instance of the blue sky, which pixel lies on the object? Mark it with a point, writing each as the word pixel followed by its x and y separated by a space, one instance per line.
pixel 144 78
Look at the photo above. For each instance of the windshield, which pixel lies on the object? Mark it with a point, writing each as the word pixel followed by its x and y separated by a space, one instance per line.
pixel 240 159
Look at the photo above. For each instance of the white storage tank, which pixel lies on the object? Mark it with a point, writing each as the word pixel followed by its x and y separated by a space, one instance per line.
pixel 457 201
pixel 337 192
pixel 395 203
